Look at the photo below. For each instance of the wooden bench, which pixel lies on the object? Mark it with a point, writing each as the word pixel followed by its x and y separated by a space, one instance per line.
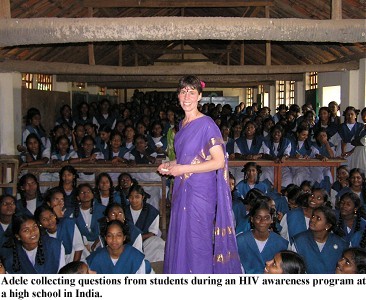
pixel 9 168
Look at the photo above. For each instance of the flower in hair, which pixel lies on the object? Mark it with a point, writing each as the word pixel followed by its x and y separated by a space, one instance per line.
pixel 203 84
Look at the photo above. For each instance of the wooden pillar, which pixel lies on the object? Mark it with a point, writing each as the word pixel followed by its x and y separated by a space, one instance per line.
pixel 5 9
pixel 242 54
pixel 268 43
pixel 336 9
pixel 91 45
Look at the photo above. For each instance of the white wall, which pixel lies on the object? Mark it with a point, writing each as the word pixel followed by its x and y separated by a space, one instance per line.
pixel 10 112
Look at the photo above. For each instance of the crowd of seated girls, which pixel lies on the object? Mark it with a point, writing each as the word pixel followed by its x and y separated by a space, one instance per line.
pixel 312 209
pixel 110 229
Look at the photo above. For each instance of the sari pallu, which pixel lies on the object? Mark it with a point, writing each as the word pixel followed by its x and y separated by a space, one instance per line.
pixel 201 236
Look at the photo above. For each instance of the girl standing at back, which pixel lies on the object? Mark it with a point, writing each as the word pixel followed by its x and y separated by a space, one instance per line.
pixel 105 192
pixel 30 195
pixel 7 210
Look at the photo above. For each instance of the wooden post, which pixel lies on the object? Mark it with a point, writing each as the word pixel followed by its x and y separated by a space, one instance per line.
pixel 5 9
pixel 268 43
pixel 336 9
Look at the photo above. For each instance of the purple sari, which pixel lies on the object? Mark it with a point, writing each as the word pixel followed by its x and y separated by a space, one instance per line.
pixel 201 237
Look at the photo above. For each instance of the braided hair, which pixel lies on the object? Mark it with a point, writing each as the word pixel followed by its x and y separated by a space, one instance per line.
pixel 249 165
pixel 124 226
pixel 139 189
pixel 17 223
pixel 77 203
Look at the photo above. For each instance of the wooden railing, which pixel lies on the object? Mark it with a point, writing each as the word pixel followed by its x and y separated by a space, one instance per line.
pixel 9 167
pixel 291 162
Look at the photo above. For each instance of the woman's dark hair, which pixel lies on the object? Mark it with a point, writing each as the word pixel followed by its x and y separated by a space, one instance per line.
pixel 190 81
pixel 359 257
pixel 77 205
pixel 105 128
pixel 356 111
pixel 111 187
pixel 48 195
pixel 330 217
pixel 252 196
pixel 292 262
pixel 62 137
pixel 324 194
pixel 249 165
pixel 262 203
pixel 3 197
pixel 22 182
pixel 16 225
pixel 79 109
pixel 37 215
pixel 318 132
pixel 74 267
pixel 124 226
pixel 359 211
pixel 32 112
pixel 73 171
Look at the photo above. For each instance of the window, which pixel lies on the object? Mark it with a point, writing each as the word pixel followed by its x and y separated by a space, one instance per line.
pixel 44 82
pixel 249 97
pixel 292 92
pixel 313 80
pixel 27 80
pixel 281 92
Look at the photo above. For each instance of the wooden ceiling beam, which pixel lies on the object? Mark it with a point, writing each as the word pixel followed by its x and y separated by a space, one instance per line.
pixel 175 3
pixel 175 79
pixel 5 11
pixel 84 30
pixel 182 69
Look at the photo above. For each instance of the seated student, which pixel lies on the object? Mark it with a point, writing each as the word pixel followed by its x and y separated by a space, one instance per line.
pixel 64 229
pixel 297 220
pixel 30 253
pixel 114 211
pixel 30 195
pixel 34 125
pixel 252 173
pixel 260 244
pixel 342 181
pixel 320 245
pixel 357 185
pixel 125 182
pixel 104 190
pixel 156 140
pixel 142 154
pixel 65 116
pixel 276 148
pixel 128 142
pixel 118 257
pixel 103 139
pixel 306 186
pixel 300 149
pixel 87 154
pixel 351 216
pixel 86 216
pixel 76 267
pixel 77 135
pixel 7 210
pixel 248 145
pixel 68 184
pixel 353 261
pixel 83 116
pixel 322 149
pixel 238 207
pixel 285 262
pixel 146 218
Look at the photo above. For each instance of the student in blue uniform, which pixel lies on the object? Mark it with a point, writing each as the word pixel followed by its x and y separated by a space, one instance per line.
pixel 285 262
pixel 7 210
pixel 252 173
pixel 357 185
pixel 105 192
pixel 30 195
pixel 320 246
pixel 353 261
pixel 118 257
pixel 351 215
pixel 260 244
pixel 68 185
pixel 238 206
pixel 30 253
pixel 64 229
pixel 297 220
pixel 86 215
pixel 146 218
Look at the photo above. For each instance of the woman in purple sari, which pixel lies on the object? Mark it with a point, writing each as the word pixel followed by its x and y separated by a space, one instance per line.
pixel 201 237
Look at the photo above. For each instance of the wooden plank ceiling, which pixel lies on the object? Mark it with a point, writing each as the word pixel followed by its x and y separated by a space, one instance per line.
pixel 161 53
